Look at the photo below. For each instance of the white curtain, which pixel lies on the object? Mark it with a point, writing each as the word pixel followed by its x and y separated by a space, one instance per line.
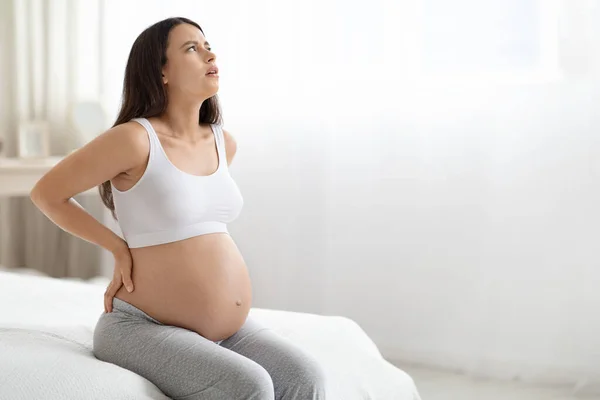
pixel 45 72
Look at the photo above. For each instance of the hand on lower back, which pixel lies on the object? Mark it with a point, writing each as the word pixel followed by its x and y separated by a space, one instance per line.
pixel 121 276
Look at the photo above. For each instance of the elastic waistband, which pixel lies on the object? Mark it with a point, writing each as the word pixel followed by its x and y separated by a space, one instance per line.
pixel 175 234
pixel 124 306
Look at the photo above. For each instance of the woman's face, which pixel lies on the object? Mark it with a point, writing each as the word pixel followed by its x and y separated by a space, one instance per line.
pixel 188 60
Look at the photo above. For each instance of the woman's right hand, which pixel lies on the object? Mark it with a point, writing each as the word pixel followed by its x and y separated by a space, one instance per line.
pixel 121 275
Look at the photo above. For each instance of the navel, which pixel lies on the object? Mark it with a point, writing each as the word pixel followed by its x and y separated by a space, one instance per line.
pixel 238 302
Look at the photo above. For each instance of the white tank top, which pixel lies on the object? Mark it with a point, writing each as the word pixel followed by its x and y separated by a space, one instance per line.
pixel 166 204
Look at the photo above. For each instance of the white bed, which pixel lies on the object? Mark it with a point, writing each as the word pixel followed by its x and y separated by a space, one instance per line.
pixel 46 327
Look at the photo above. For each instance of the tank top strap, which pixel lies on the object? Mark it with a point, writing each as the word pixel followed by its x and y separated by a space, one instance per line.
pixel 220 138
pixel 152 136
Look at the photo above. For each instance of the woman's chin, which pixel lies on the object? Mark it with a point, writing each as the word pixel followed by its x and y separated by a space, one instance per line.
pixel 212 91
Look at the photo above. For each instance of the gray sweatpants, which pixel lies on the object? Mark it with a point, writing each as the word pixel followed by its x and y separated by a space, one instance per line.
pixel 254 363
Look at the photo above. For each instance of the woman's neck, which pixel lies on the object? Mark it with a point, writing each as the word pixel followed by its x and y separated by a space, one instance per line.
pixel 182 118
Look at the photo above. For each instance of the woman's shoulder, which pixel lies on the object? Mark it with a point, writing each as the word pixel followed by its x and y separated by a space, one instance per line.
pixel 230 145
pixel 132 136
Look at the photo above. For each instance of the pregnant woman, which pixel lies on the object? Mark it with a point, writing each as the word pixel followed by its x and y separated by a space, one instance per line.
pixel 176 311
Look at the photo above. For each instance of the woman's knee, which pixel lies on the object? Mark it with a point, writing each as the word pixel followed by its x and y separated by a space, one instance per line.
pixel 312 377
pixel 252 382
pixel 306 379
pixel 243 379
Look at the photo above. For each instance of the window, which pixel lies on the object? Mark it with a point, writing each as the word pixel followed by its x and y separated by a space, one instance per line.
pixel 491 40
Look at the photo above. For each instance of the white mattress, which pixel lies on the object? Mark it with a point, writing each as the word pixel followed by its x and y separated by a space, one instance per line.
pixel 46 328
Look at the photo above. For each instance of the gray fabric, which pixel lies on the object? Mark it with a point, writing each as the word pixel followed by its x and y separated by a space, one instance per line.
pixel 254 363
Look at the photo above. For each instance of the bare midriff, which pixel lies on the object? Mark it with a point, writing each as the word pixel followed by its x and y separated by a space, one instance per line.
pixel 201 284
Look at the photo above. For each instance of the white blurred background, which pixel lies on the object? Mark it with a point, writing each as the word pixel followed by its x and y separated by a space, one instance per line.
pixel 428 168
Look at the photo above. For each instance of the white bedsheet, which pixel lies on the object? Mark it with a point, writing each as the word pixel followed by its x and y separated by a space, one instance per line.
pixel 46 328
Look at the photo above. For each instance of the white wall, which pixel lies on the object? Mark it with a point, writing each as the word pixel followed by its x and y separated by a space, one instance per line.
pixel 452 216
pixel 470 244
pixel 475 248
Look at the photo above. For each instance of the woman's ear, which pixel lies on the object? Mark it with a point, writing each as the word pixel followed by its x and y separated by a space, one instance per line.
pixel 164 78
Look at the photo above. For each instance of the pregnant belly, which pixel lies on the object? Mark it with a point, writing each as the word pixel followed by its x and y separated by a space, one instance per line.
pixel 201 284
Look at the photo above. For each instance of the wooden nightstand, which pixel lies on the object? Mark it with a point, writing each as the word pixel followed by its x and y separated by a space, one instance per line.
pixel 18 176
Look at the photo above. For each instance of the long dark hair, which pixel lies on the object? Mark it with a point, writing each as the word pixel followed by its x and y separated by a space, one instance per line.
pixel 144 94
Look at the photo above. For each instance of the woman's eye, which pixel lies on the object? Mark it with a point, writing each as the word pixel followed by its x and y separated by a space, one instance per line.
pixel 193 48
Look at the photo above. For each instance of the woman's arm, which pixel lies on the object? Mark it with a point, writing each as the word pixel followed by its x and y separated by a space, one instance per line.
pixel 116 151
